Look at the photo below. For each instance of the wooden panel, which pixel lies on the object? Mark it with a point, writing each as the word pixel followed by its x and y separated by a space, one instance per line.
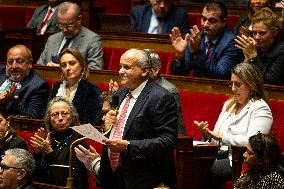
pixel 237 161
pixel 193 163
pixel 198 85
pixel 25 123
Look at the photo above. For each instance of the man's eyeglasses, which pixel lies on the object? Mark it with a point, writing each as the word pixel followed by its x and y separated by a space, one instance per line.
pixel 4 167
pixel 67 26
pixel 63 114
pixel 235 84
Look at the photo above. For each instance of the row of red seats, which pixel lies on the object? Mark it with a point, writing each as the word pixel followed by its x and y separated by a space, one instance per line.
pixel 112 57
pixel 8 17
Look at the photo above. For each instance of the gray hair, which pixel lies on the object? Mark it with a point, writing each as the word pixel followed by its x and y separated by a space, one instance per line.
pixel 24 160
pixel 28 53
pixel 65 6
pixel 155 61
pixel 71 108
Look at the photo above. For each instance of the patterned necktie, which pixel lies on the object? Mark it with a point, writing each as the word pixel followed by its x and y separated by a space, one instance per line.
pixel 117 134
pixel 45 20
pixel 209 50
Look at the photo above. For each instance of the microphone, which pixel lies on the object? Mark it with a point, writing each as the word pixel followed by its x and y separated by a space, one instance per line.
pixel 114 105
pixel 69 182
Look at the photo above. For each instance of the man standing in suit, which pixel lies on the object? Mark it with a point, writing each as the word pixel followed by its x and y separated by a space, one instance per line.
pixel 158 17
pixel 139 151
pixel 210 52
pixel 16 169
pixel 74 35
pixel 22 90
pixel 44 18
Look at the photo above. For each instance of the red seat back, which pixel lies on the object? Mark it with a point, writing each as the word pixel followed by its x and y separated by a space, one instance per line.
pixel 200 107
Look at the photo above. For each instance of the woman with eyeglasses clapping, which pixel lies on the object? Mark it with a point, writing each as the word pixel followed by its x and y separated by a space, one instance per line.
pixel 51 145
pixel 242 116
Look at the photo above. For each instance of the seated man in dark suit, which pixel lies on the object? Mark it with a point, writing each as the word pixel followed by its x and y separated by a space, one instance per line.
pixel 22 90
pixel 210 52
pixel 44 18
pixel 139 151
pixel 155 65
pixel 158 17
pixel 74 35
pixel 16 169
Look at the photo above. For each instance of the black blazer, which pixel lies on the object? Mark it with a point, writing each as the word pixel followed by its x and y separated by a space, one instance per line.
pixel 151 128
pixel 87 101
pixel 141 16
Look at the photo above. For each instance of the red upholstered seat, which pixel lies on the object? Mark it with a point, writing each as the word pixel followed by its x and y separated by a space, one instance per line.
pixel 115 7
pixel 99 149
pixel 277 108
pixel 195 19
pixel 107 57
pixel 200 107
pixel 19 20
pixel 115 58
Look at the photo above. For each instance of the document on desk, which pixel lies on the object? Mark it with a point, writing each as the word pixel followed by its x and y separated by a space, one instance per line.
pixel 196 142
pixel 90 132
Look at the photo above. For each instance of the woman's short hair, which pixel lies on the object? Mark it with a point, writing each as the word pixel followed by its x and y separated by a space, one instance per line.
pixel 74 52
pixel 71 108
pixel 251 75
pixel 268 18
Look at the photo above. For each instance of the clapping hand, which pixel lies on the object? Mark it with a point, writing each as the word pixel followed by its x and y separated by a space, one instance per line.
pixel 248 45
pixel 203 126
pixel 194 39
pixel 41 141
pixel 86 156
pixel 113 86
pixel 178 42
pixel 9 94
pixel 109 120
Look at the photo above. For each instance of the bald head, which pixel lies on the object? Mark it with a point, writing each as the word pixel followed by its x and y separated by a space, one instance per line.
pixel 134 68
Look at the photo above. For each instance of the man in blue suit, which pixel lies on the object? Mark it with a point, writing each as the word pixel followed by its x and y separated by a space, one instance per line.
pixel 158 17
pixel 22 90
pixel 210 52
pixel 143 136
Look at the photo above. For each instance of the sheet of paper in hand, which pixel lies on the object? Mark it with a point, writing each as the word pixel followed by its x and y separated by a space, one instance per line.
pixel 90 132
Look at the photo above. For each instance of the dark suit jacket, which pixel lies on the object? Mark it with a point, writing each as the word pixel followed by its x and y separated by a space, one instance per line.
pixel 271 63
pixel 141 17
pixel 15 142
pixel 33 96
pixel 151 129
pixel 87 101
pixel 38 17
pixel 223 58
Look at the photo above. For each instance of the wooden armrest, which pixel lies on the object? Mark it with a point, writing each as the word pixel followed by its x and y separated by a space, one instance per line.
pixel 237 161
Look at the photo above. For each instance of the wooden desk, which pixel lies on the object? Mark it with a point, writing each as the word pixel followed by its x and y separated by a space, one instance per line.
pixel 25 123
pixel 193 163
pixel 198 85
pixel 40 185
